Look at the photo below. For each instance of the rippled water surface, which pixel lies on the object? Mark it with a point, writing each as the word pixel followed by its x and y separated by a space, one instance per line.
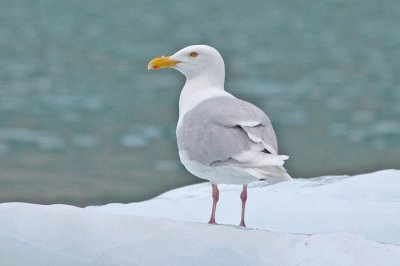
pixel 82 121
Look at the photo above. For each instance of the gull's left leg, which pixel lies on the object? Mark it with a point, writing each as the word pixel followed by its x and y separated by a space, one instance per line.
pixel 215 196
pixel 243 197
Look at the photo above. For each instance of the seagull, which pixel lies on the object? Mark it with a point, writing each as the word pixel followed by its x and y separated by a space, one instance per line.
pixel 220 138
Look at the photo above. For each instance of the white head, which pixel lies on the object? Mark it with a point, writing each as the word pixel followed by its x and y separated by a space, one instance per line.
pixel 195 62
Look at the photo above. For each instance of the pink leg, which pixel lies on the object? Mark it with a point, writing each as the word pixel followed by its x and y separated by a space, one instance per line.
pixel 243 197
pixel 215 195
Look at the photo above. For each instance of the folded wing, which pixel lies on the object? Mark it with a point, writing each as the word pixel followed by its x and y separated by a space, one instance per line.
pixel 227 130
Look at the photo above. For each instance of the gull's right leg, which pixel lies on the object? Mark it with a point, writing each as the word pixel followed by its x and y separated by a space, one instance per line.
pixel 243 197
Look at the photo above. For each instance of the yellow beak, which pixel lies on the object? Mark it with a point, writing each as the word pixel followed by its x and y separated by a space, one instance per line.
pixel 162 62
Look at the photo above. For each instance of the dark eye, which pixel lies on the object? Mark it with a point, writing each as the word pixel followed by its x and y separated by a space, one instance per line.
pixel 194 54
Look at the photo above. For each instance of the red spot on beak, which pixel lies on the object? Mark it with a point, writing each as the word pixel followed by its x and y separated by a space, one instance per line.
pixel 156 67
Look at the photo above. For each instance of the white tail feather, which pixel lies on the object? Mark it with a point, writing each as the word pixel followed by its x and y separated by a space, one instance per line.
pixel 266 166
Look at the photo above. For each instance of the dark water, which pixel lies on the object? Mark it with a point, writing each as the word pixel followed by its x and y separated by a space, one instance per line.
pixel 82 121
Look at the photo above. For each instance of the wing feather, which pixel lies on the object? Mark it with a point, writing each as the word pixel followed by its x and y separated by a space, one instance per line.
pixel 251 119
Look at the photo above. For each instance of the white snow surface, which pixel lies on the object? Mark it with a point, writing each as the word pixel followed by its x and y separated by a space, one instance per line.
pixel 332 220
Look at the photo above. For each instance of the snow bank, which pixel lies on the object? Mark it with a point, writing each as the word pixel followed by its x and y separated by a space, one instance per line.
pixel 367 205
pixel 347 216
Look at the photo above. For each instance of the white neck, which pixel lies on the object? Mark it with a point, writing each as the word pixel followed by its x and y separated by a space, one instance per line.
pixel 196 91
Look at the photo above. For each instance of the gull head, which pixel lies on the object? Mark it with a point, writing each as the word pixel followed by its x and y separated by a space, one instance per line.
pixel 195 61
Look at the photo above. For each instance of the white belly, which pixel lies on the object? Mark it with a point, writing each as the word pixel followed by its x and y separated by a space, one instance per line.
pixel 220 174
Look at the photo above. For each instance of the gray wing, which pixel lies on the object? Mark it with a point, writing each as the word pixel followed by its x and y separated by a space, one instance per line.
pixel 221 128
